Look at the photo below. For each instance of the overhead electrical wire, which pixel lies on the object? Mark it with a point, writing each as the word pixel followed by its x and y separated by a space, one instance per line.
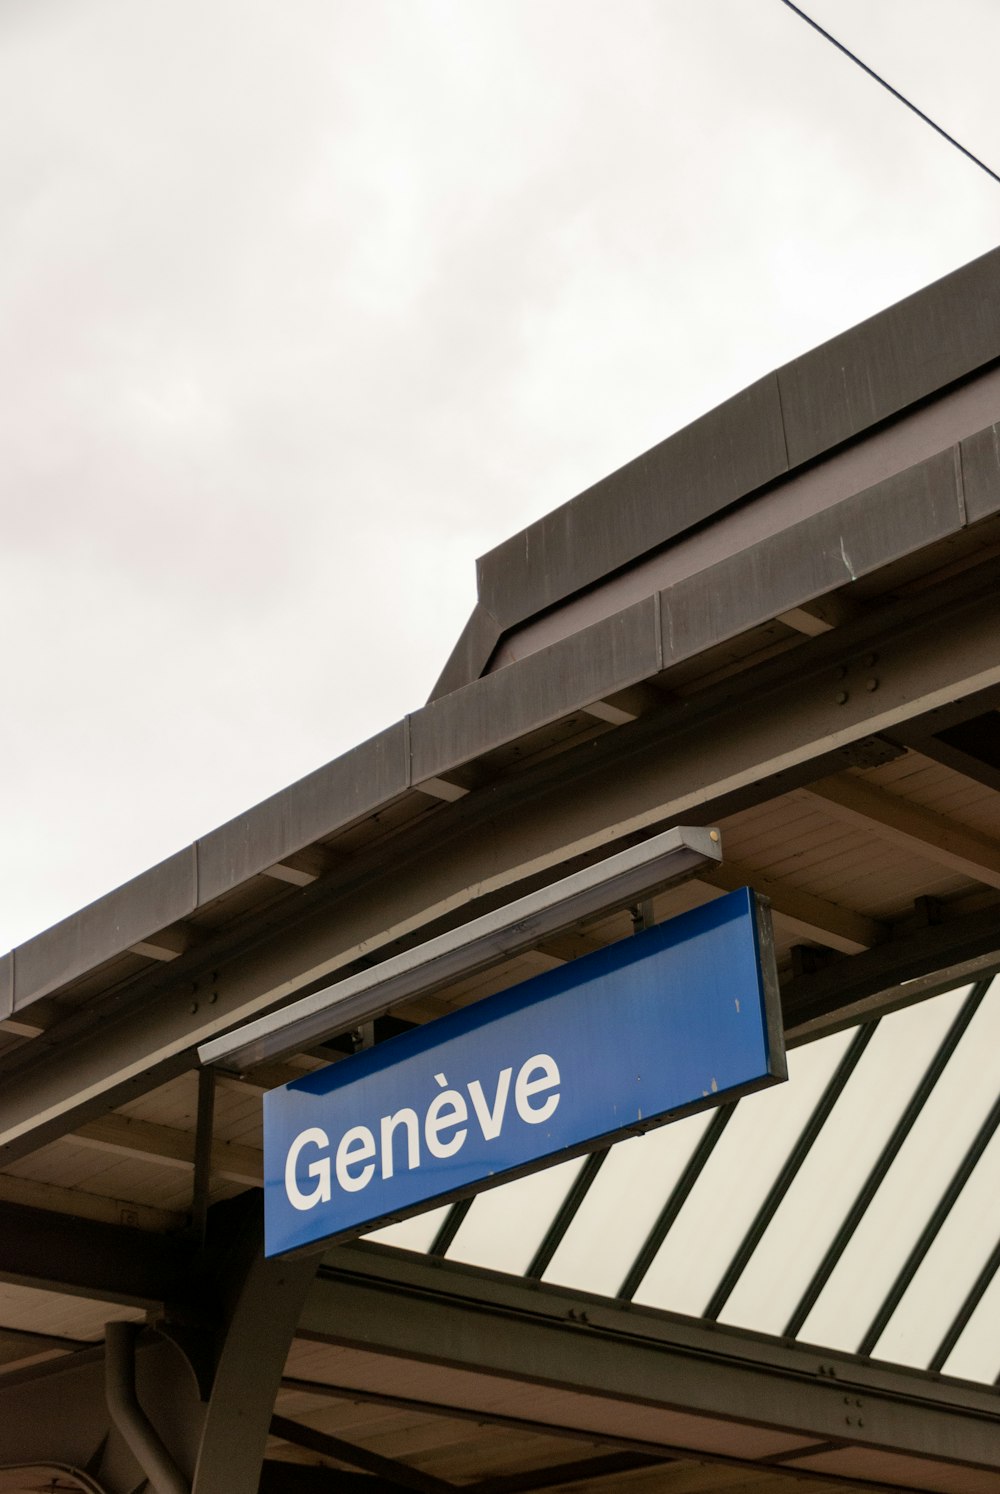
pixel 894 91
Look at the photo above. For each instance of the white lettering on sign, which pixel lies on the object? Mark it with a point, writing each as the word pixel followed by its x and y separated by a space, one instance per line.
pixel 319 1170
pixel 445 1129
pixel 491 1120
pixel 526 1086
pixel 444 1113
pixel 356 1146
pixel 387 1128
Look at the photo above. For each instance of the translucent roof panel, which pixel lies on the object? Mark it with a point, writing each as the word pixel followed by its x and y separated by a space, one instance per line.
pixel 839 1161
pixel 418 1233
pixel 622 1206
pixel 949 1270
pixel 919 1176
pixel 976 1355
pixel 505 1226
pixel 733 1184
pixel 856 1207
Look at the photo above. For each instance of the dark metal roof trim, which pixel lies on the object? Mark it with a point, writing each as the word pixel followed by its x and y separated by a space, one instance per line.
pixel 688 478
pixel 6 985
pixel 831 395
pixel 981 473
pixel 149 902
pixel 342 791
pixel 612 654
pixel 476 643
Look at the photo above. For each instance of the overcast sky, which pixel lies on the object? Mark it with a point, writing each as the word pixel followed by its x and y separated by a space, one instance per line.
pixel 305 306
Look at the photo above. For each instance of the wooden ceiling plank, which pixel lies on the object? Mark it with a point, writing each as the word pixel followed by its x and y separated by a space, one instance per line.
pixel 890 817
pixel 924 742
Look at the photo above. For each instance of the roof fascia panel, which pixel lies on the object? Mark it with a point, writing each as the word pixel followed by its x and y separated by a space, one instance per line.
pixel 163 895
pixel 6 986
pixel 684 480
pixel 832 549
pixel 335 795
pixel 981 473
pixel 905 353
pixel 617 652
pixel 327 800
pixel 829 396
pixel 918 434
pixel 471 653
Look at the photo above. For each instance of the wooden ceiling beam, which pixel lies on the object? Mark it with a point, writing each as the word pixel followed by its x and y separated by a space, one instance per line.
pixel 626 705
pixel 58 1200
pixel 300 868
pixel 167 944
pixel 114 1132
pixel 21 1347
pixel 447 789
pixel 821 615
pixel 32 1021
pixel 806 915
pixel 266 1076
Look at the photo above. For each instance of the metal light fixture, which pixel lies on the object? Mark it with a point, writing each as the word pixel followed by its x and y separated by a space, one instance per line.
pixel 662 861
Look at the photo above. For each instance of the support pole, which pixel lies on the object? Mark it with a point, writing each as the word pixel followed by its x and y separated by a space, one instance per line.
pixel 128 1416
pixel 203 1154
pixel 266 1301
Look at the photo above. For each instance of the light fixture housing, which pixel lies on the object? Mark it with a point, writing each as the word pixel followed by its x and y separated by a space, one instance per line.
pixel 629 876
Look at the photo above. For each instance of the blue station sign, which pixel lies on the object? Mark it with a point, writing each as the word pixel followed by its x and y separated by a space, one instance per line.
pixel 679 1017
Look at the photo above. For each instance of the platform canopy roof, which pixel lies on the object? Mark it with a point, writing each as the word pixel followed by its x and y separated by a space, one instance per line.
pixel 782 621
